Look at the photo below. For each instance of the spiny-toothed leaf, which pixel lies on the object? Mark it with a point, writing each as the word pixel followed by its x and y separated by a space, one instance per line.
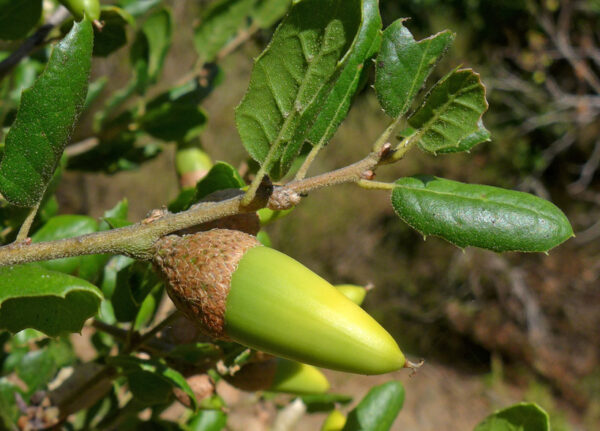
pixel 46 118
pixel 221 176
pixel 153 381
pixel 292 77
pixel 18 17
pixel 378 409
pixel 477 137
pixel 480 216
pixel 365 45
pixel 49 301
pixel 403 65
pixel 451 111
pixel 520 417
pixel 267 12
pixel 219 24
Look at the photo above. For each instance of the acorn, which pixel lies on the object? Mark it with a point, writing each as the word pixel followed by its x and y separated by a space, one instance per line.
pixel 192 164
pixel 335 421
pixel 79 8
pixel 234 288
pixel 279 375
pixel 353 292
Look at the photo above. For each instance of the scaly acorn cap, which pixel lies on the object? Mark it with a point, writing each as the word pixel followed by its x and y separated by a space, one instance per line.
pixel 234 288
pixel 279 375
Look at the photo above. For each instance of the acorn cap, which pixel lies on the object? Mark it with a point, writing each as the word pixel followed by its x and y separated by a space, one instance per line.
pixel 234 288
pixel 353 292
pixel 279 375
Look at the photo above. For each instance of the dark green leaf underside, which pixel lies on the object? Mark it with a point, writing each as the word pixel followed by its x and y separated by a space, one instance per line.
pixel 404 64
pixel 49 301
pixel 481 216
pixel 451 111
pixel 46 119
pixel 520 417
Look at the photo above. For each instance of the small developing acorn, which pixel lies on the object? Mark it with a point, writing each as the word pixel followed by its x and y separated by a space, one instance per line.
pixel 234 288
pixel 279 375
pixel 353 292
pixel 79 8
pixel 335 421
pixel 192 164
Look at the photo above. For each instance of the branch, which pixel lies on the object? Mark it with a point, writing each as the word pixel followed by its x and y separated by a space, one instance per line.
pixel 138 240
pixel 33 41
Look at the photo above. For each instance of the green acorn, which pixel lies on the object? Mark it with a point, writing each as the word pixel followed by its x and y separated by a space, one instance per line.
pixel 79 8
pixel 192 164
pixel 279 375
pixel 234 288
pixel 353 292
pixel 335 421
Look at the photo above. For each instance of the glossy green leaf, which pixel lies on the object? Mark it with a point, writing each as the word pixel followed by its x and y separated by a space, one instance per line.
pixel 17 18
pixel 378 409
pixel 49 301
pixel 207 420
pixel 138 7
pixel 67 226
pixel 451 111
pixel 520 417
pixel 403 65
pixel 157 30
pixel 114 31
pixel 221 21
pixel 46 118
pixel 365 45
pixel 477 137
pixel 480 216
pixel 267 12
pixel 292 78
pixel 119 212
pixel 153 381
pixel 221 176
